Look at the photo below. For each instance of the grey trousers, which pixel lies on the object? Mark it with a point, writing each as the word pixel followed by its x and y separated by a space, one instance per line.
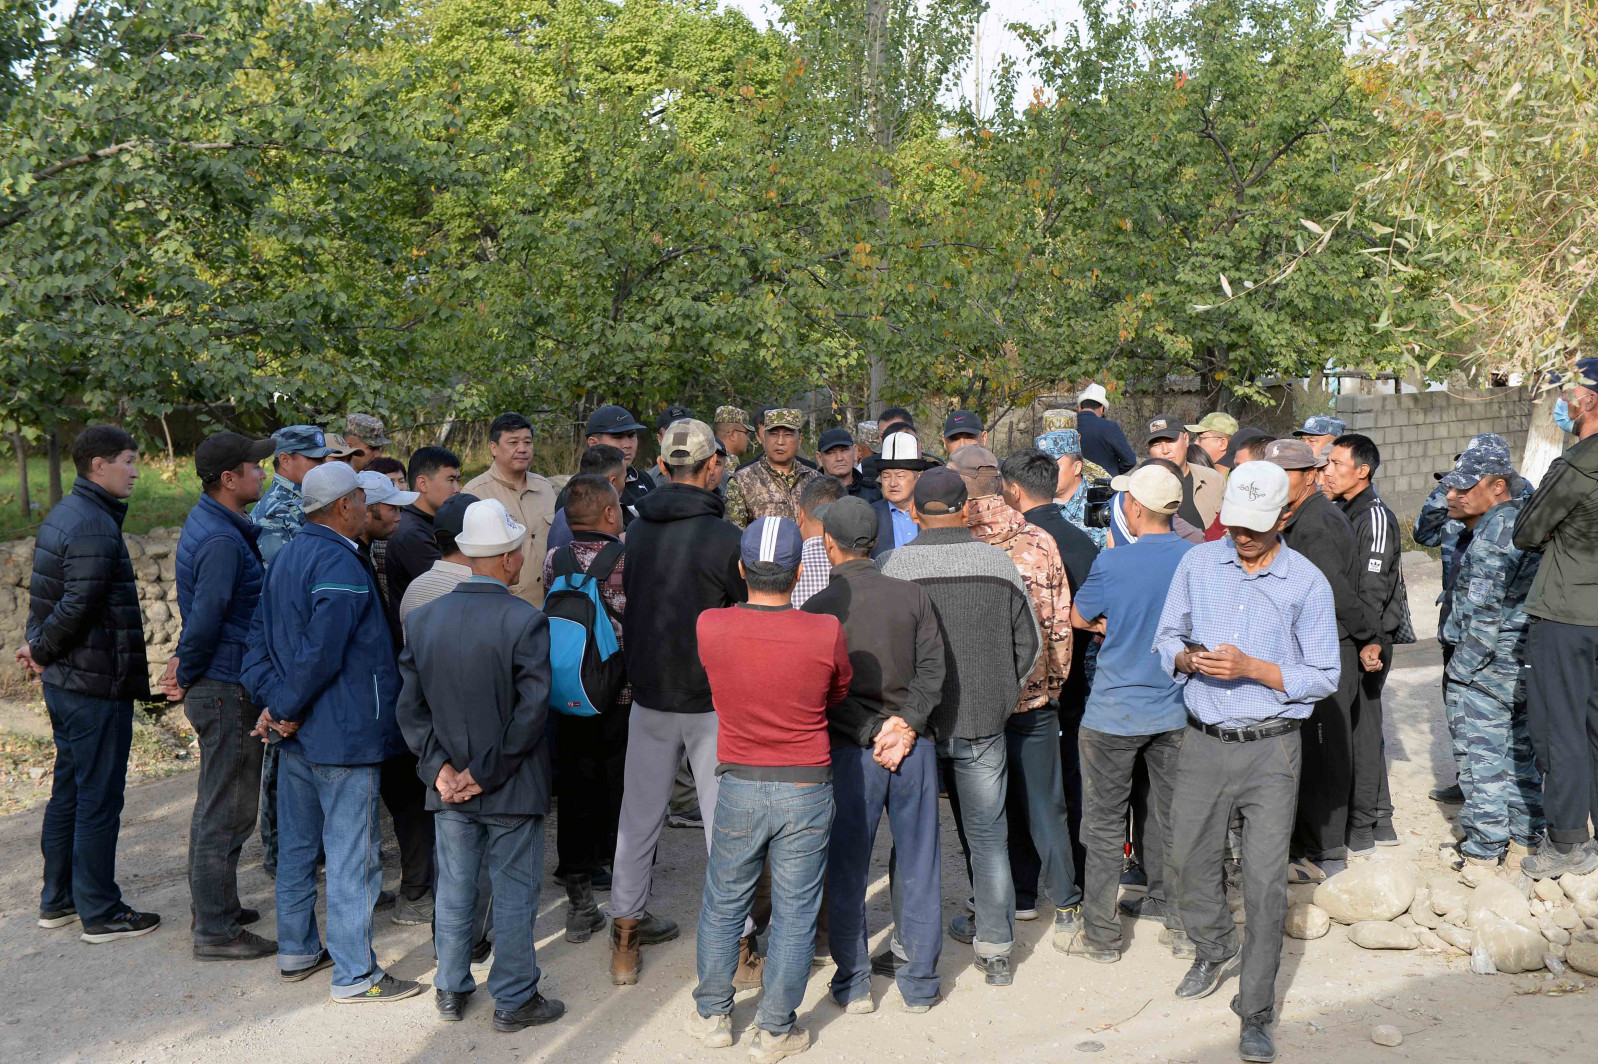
pixel 656 743
pixel 1260 780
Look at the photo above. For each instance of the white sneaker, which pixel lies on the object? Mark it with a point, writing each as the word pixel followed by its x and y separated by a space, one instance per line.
pixel 768 1048
pixel 713 1032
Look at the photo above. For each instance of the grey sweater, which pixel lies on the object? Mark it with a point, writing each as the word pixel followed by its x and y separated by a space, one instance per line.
pixel 990 637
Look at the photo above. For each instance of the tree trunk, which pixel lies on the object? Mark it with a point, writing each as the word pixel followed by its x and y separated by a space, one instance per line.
pixel 1545 441
pixel 880 130
pixel 53 452
pixel 21 447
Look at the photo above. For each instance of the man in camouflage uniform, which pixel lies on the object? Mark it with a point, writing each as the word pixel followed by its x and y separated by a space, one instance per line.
pixel 770 487
pixel 1485 697
pixel 1064 445
pixel 733 429
pixel 364 433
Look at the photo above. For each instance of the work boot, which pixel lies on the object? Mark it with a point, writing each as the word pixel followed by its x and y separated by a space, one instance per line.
pixel 1452 794
pixel 751 965
pixel 1255 1044
pixel 1474 871
pixel 1067 926
pixel 582 913
pixel 996 970
pixel 1550 862
pixel 713 1032
pixel 1517 852
pixel 624 959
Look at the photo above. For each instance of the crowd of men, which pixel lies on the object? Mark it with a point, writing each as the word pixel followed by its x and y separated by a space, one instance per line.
pixel 1085 653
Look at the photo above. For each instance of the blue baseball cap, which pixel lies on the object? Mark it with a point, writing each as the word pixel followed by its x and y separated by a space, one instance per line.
pixel 1322 425
pixel 772 539
pixel 302 439
pixel 611 421
pixel 1474 464
pixel 1059 443
pixel 1487 442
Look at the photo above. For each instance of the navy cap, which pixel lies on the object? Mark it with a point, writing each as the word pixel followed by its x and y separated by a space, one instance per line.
pixel 670 414
pixel 962 423
pixel 1322 425
pixel 940 491
pixel 610 421
pixel 1474 464
pixel 834 438
pixel 451 515
pixel 772 539
pixel 302 439
pixel 228 450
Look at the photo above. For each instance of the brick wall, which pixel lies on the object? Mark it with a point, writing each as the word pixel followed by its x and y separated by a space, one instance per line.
pixel 1419 434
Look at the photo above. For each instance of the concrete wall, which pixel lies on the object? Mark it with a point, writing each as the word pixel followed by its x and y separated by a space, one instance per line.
pixel 1419 434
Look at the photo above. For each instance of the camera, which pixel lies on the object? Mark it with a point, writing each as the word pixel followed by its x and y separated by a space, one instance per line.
pixel 1096 512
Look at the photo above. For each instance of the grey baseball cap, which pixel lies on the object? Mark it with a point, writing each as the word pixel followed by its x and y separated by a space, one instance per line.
pixel 380 488
pixel 328 483
pixel 851 522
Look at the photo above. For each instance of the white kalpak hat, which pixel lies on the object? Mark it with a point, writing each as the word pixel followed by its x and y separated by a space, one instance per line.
pixel 487 531
pixel 1094 393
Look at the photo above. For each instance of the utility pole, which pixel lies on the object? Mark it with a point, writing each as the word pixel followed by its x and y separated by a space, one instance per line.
pixel 879 129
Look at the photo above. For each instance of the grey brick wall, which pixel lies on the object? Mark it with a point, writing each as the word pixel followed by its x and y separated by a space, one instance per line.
pixel 1420 433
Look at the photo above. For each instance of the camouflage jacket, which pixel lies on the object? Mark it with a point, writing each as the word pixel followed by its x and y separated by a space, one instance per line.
pixel 1075 511
pixel 279 516
pixel 1037 556
pixel 1487 619
pixel 757 491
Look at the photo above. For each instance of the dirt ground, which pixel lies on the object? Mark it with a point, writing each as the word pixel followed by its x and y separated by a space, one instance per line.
pixel 146 1000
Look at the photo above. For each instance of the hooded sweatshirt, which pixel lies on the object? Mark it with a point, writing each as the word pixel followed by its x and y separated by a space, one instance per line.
pixel 682 559
pixel 1561 520
pixel 1037 557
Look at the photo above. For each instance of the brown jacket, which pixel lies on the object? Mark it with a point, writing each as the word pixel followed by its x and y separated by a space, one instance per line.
pixel 1037 557
pixel 533 504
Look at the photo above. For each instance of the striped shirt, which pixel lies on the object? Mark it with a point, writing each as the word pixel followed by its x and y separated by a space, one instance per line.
pixel 1282 614
pixel 441 579
pixel 814 573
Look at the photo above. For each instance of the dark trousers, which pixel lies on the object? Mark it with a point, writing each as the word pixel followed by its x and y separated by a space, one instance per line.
pixel 863 789
pixel 1035 807
pixel 1024 863
pixel 1371 802
pixel 1562 708
pixel 1260 780
pixel 225 806
pixel 590 769
pixel 405 796
pixel 269 808
pixel 81 822
pixel 1328 776
pixel 1108 765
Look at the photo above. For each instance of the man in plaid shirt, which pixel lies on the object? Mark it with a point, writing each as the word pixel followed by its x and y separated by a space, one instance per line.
pixel 814 568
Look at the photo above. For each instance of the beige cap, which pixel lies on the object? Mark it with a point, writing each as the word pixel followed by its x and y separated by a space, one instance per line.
pixel 687 442
pixel 1154 486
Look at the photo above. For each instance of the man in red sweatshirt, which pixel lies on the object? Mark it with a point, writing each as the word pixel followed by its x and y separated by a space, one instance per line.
pixel 773 673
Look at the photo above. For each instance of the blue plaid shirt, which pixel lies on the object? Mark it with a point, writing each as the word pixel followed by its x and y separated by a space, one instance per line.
pixel 1282 614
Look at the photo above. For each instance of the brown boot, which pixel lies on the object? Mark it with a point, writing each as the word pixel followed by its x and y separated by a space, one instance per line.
pixel 1512 859
pixel 751 965
pixel 624 959
pixel 1475 871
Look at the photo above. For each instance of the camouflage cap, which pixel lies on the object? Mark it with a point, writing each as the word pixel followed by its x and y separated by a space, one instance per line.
pixel 733 415
pixel 302 439
pixel 1322 425
pixel 1225 424
pixel 1057 419
pixel 1060 442
pixel 866 432
pixel 1474 464
pixel 687 442
pixel 367 428
pixel 1488 443
pixel 784 417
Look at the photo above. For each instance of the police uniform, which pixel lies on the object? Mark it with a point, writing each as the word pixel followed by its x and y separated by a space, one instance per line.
pixel 759 490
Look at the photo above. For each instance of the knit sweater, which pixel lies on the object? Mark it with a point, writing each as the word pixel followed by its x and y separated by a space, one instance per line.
pixel 990 638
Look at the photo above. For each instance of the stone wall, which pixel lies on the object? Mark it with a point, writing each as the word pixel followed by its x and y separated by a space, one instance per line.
pixel 154 566
pixel 1420 433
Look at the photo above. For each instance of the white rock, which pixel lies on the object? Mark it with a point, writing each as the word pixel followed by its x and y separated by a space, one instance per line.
pixel 1583 956
pixel 1587 907
pixel 1549 891
pixel 1495 899
pixel 1306 921
pixel 1370 890
pixel 1457 937
pixel 1378 934
pixel 1555 966
pixel 1565 916
pixel 1430 941
pixel 1405 921
pixel 1387 1035
pixel 1553 933
pixel 1448 895
pixel 1424 916
pixel 1512 947
pixel 1481 962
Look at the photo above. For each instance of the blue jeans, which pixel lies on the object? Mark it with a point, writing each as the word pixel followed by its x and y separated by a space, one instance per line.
pixel 333 807
pixel 512 847
pixel 1036 804
pixel 863 789
pixel 789 824
pixel 978 771
pixel 79 840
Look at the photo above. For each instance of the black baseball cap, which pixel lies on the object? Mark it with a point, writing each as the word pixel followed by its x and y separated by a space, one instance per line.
pixel 834 438
pixel 850 521
pixel 611 421
pixel 228 450
pixel 670 414
pixel 939 491
pixel 1164 427
pixel 962 423
pixel 451 515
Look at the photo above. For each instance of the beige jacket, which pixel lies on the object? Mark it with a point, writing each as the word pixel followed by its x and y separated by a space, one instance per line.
pixel 1209 485
pixel 533 504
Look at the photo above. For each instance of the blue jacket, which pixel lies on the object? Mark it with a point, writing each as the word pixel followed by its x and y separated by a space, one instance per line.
pixel 219 583
pixel 321 654
pixel 1104 442
pixel 885 541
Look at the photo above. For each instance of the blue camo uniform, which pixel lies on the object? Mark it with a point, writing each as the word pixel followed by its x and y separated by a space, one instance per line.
pixel 1485 696
pixel 1433 526
pixel 278 516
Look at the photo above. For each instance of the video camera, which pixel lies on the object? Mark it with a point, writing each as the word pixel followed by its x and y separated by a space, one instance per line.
pixel 1096 513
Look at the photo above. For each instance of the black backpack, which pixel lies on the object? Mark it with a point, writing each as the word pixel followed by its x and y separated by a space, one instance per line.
pixel 586 667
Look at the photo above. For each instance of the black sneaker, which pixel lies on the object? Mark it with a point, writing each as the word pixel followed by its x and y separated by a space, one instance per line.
pixel 385 989
pixel 385 900
pixel 129 924
pixel 294 975
pixel 57 917
pixel 1144 908
pixel 246 947
pixel 1133 875
pixel 963 928
pixel 1201 979
pixel 539 1010
pixel 1385 835
pixel 451 1004
pixel 886 963
pixel 997 970
pixel 248 917
pixel 1549 863
pixel 1449 795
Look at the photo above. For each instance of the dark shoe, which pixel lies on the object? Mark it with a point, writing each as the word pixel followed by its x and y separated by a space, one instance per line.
pixel 1086 947
pixel 1361 843
pixel 246 947
pixel 1182 947
pixel 385 989
pixel 129 924
pixel 963 928
pixel 601 878
pixel 481 951
pixel 413 913
pixel 249 916
pixel 583 917
pixel 1133 875
pixel 1201 979
pixel 1385 835
pixel 1144 908
pixel 624 956
pixel 751 965
pixel 57 917
pixel 1549 863
pixel 653 930
pixel 997 970
pixel 691 819
pixel 385 900
pixel 451 1004
pixel 294 975
pixel 1256 1044
pixel 538 1010
pixel 886 963
pixel 1449 795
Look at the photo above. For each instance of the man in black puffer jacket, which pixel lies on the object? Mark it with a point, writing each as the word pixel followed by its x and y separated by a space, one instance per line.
pixel 86 638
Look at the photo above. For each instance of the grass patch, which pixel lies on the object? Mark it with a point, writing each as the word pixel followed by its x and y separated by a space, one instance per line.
pixel 162 496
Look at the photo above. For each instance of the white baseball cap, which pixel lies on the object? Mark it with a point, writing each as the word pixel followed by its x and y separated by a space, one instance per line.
pixel 380 488
pixel 1094 393
pixel 487 531
pixel 1156 487
pixel 325 484
pixel 1256 493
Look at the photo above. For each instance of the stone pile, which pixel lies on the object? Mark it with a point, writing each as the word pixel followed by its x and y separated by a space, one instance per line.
pixel 1505 924
pixel 155 568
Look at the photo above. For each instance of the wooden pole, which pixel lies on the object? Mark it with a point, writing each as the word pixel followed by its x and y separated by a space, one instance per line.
pixel 53 451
